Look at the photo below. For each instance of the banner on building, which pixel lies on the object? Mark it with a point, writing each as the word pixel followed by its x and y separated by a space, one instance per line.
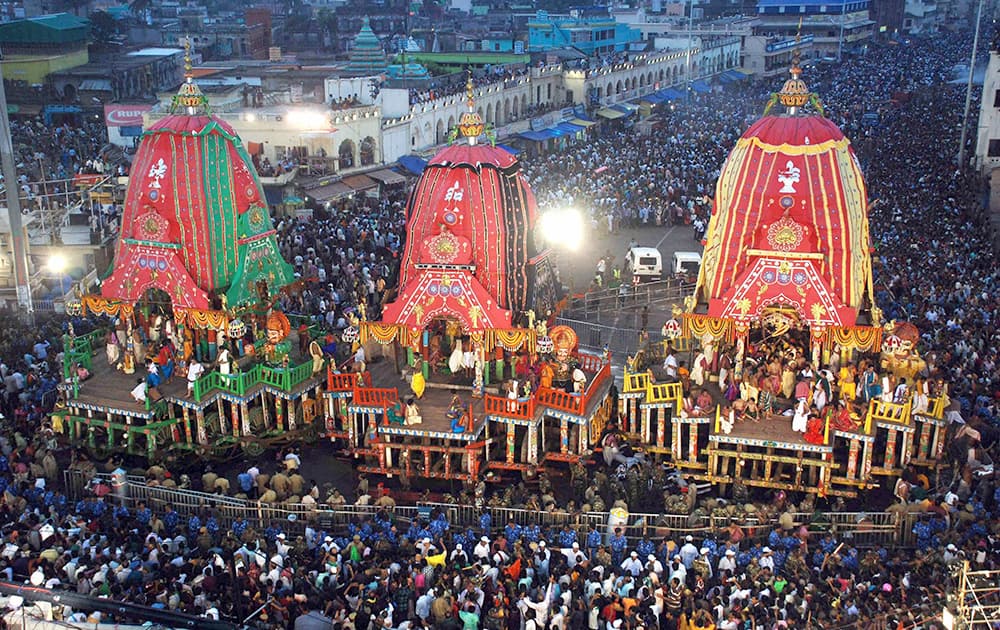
pixel 125 115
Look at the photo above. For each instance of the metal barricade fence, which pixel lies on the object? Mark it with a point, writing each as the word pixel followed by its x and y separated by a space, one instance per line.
pixel 227 509
pixel 858 529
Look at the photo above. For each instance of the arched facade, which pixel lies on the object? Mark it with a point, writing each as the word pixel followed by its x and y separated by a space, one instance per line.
pixel 347 155
pixel 368 152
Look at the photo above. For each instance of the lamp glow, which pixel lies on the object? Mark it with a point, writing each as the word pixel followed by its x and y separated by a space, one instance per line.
pixel 57 263
pixel 562 227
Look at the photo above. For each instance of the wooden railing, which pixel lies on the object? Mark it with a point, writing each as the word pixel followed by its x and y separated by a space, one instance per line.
pixel 558 399
pixel 638 382
pixel 240 382
pixel 590 363
pixel 508 408
pixel 882 411
pixel 666 392
pixel 375 396
pixel 936 408
pixel 340 382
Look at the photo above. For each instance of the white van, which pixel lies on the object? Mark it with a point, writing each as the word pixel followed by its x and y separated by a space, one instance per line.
pixel 645 262
pixel 686 265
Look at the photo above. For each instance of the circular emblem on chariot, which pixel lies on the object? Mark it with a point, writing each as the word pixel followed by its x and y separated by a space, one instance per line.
pixel 251 192
pixel 786 202
pixel 256 218
pixel 154 194
pixel 450 217
pixel 444 248
pixel 150 226
pixel 785 234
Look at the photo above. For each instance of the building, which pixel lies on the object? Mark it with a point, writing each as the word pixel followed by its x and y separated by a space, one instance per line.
pixel 771 56
pixel 836 26
pixel 367 58
pixel 136 76
pixel 223 39
pixel 921 16
pixel 888 17
pixel 987 157
pixel 34 48
pixel 591 31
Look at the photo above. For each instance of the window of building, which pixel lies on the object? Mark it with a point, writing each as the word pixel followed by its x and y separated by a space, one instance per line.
pixel 996 98
pixel 994 149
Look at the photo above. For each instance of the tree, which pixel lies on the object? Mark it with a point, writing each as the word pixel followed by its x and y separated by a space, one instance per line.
pixel 103 28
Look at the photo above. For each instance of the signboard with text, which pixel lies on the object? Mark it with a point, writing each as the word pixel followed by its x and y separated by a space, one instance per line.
pixel 125 115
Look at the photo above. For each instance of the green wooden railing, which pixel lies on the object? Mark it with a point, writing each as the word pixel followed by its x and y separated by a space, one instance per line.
pixel 78 425
pixel 239 383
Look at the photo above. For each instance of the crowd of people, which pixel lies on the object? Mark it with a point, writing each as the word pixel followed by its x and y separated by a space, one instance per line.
pixel 381 572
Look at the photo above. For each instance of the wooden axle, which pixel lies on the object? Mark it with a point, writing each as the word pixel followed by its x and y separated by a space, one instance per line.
pixel 781 459
pixel 780 485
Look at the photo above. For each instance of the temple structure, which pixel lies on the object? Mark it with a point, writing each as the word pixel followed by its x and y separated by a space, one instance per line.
pixel 496 389
pixel 195 223
pixel 366 58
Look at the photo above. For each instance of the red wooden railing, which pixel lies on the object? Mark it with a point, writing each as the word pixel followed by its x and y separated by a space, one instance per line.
pixel 500 406
pixel 574 403
pixel 374 396
pixel 340 382
pixel 558 399
pixel 590 363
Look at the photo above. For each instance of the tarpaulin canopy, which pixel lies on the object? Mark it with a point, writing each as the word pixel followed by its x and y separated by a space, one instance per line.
pixel 329 192
pixel 610 114
pixel 701 87
pixel 413 163
pixel 387 177
pixel 509 149
pixel 730 76
pixel 653 98
pixel 360 182
pixel 582 122
pixel 569 128
pixel 538 136
pixel 670 94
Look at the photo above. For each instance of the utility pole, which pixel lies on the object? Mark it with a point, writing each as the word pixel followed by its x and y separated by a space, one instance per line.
pixel 17 239
pixel 687 93
pixel 968 87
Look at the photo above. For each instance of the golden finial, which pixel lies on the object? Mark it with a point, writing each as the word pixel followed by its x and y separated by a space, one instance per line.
pixel 794 94
pixel 470 124
pixel 797 52
pixel 187 59
pixel 470 99
pixel 189 97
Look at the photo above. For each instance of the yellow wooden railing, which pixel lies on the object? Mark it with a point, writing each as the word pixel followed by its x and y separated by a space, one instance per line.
pixel 882 411
pixel 638 382
pixel 666 392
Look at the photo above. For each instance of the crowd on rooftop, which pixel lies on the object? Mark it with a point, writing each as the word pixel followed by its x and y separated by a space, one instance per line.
pixel 381 572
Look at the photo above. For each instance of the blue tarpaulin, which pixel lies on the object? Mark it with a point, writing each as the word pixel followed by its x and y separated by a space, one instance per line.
pixel 540 136
pixel 670 94
pixel 653 98
pixel 625 108
pixel 568 128
pixel 508 149
pixel 413 163
pixel 731 76
pixel 701 87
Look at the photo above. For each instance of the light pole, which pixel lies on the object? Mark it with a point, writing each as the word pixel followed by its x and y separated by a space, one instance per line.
pixel 968 87
pixel 840 41
pixel 687 93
